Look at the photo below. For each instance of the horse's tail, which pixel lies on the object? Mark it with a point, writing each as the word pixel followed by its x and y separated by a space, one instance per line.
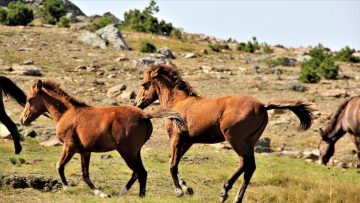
pixel 299 108
pixel 11 90
pixel 174 116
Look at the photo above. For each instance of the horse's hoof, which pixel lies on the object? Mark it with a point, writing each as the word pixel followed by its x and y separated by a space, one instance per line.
pixel 223 198
pixel 189 191
pixel 179 192
pixel 18 149
pixel 123 191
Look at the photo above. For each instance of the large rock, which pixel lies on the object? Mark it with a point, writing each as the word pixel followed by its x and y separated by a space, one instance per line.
pixel 52 142
pixel 116 90
pixel 4 132
pixel 337 93
pixel 112 34
pixel 143 63
pixel 93 40
pixel 26 70
pixel 127 95
pixel 289 62
pixel 190 55
pixel 297 87
pixel 263 145
pixel 166 52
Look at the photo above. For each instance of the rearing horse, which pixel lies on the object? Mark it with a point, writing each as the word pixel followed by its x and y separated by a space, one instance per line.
pixel 9 89
pixel 238 119
pixel 346 119
pixel 84 129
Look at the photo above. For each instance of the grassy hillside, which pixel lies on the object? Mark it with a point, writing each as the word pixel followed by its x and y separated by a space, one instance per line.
pixel 58 53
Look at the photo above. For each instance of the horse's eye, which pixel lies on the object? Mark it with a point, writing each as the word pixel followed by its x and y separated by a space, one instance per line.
pixel 145 84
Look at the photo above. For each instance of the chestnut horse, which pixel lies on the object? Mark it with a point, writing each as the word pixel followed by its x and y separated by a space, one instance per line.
pixel 84 129
pixel 345 120
pixel 238 119
pixel 9 89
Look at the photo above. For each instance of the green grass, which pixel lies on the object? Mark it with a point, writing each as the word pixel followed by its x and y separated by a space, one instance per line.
pixel 277 179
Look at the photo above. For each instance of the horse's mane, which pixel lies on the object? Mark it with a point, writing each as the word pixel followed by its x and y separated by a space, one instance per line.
pixel 174 75
pixel 334 119
pixel 55 87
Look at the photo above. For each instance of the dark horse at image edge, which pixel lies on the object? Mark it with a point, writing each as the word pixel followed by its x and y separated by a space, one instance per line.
pixel 9 89
pixel 345 120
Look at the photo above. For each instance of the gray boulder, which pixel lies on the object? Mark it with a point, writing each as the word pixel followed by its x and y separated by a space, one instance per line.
pixel 263 145
pixel 289 62
pixel 143 63
pixel 116 90
pixel 93 40
pixel 112 34
pixel 166 52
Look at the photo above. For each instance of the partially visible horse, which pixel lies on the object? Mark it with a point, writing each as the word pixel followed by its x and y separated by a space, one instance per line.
pixel 9 89
pixel 345 120
pixel 84 129
pixel 238 119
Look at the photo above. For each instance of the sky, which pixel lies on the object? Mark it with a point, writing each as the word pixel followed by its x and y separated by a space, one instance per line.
pixel 293 23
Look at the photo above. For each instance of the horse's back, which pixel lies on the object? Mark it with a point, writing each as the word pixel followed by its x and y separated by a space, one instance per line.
pixel 351 119
pixel 106 128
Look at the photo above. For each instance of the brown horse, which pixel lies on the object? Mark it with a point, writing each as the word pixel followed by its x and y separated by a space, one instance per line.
pixel 84 129
pixel 238 119
pixel 9 89
pixel 346 119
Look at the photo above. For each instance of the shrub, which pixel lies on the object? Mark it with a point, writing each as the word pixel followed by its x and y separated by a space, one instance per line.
pixel 145 21
pixel 345 54
pixel 327 68
pixel 178 34
pixel 51 11
pixel 13 160
pixel 249 47
pixel 266 48
pixel 308 73
pixel 218 47
pixel 319 52
pixel 3 14
pixel 147 47
pixel 101 22
pixel 276 61
pixel 19 14
pixel 63 22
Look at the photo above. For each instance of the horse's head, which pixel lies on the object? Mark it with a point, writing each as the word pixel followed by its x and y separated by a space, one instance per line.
pixel 35 106
pixel 326 148
pixel 147 93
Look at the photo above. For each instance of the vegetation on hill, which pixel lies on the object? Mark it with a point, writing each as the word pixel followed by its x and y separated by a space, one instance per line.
pixel 17 13
pixel 51 11
pixel 145 21
pixel 321 64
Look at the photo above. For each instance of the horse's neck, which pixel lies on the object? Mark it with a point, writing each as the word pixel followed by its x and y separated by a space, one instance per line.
pixel 168 98
pixel 56 106
pixel 336 131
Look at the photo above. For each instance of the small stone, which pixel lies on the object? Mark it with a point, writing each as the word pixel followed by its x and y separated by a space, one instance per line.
pixel 263 145
pixel 204 51
pixel 122 58
pixel 190 55
pixel 28 62
pixel 106 156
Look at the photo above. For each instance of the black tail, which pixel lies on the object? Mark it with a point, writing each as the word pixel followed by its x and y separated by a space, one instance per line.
pixel 299 108
pixel 12 91
pixel 174 116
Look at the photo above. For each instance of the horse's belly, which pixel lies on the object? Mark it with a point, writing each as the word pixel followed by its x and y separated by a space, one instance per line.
pixel 208 136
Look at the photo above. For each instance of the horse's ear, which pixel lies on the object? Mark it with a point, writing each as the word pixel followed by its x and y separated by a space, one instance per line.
pixel 39 85
pixel 157 72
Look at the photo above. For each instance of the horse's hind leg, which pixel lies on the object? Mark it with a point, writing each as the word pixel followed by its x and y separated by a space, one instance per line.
pixel 10 125
pixel 67 154
pixel 178 148
pixel 135 164
pixel 85 161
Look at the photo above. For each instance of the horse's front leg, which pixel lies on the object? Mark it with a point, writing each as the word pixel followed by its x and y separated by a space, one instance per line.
pixel 67 154
pixel 178 149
